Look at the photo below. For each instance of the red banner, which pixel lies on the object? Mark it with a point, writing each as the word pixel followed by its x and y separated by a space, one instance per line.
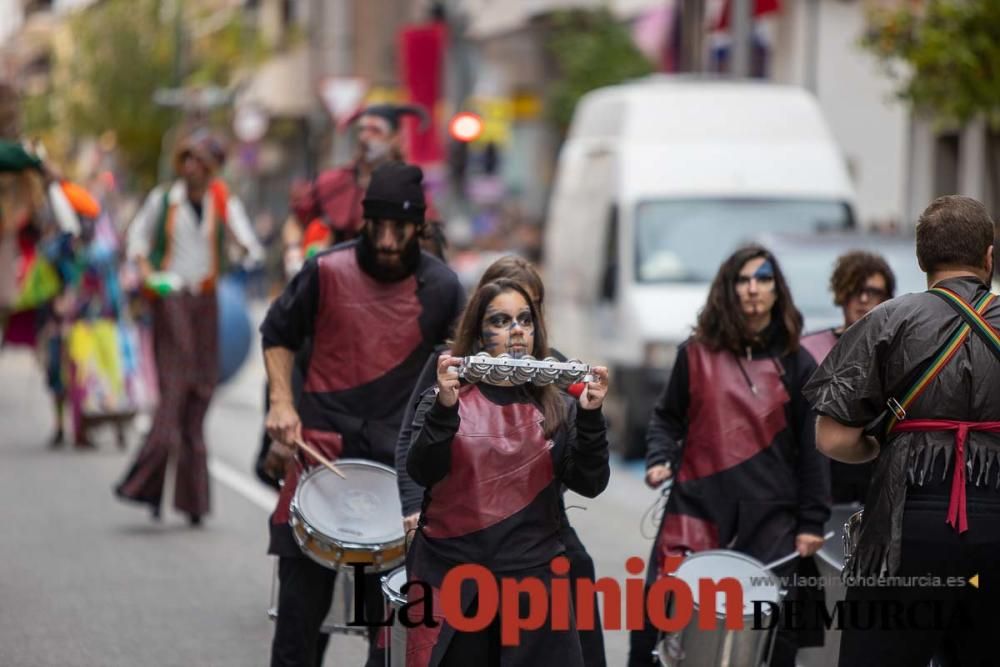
pixel 760 8
pixel 421 63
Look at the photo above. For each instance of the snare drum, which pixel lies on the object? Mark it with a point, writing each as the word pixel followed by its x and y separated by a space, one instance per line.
pixel 338 521
pixel 719 647
pixel 392 585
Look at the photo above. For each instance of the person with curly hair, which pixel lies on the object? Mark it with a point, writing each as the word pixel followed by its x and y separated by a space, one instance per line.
pixel 734 431
pixel 860 281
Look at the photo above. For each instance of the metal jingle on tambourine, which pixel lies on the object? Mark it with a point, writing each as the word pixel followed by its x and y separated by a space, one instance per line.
pixel 496 376
pixel 568 377
pixel 473 372
pixel 523 374
pixel 544 376
pixel 501 370
pixel 478 368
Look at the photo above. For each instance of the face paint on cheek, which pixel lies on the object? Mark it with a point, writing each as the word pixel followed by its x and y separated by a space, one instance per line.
pixel 490 343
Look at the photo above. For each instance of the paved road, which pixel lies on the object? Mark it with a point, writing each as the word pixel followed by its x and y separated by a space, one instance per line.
pixel 88 581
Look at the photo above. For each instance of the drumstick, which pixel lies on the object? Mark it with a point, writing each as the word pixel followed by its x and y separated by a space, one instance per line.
pixel 311 451
pixel 793 555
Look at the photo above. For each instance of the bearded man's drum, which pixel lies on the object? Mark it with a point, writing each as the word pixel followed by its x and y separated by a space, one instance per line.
pixel 337 522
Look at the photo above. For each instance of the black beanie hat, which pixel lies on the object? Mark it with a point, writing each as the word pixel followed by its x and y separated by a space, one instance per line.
pixel 395 193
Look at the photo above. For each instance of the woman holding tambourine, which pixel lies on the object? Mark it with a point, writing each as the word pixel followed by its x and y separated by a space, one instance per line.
pixel 492 457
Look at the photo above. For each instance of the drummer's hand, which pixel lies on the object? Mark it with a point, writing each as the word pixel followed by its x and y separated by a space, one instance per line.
pixel 283 424
pixel 276 461
pixel 807 544
pixel 447 380
pixel 658 474
pixel 593 394
pixel 410 522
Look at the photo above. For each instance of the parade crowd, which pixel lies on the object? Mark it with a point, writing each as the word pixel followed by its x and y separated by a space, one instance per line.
pixel 377 357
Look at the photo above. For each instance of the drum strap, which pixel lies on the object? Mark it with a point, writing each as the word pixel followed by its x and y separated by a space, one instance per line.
pixel 924 375
pixel 973 322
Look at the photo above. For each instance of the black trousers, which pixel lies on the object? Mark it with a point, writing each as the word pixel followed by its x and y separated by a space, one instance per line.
pixel 474 649
pixel 907 625
pixel 304 597
pixel 581 566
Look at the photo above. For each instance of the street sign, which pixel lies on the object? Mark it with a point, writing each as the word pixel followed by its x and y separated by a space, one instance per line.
pixel 343 96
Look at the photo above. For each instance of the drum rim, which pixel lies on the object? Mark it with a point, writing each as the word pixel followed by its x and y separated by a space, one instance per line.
pixel 389 593
pixel 315 533
pixel 344 545
pixel 729 553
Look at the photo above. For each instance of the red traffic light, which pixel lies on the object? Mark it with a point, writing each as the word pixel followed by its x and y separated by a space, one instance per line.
pixel 465 127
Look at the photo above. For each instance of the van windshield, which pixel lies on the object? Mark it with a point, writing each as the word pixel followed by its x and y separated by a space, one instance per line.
pixel 685 240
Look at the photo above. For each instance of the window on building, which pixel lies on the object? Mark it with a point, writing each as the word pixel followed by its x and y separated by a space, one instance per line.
pixel 946 148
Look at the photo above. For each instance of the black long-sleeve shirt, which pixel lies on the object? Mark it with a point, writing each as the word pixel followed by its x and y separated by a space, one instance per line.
pixel 668 427
pixel 530 537
pixel 410 493
pixel 369 341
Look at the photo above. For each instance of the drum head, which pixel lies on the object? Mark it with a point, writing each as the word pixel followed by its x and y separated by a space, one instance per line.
pixel 757 583
pixel 363 509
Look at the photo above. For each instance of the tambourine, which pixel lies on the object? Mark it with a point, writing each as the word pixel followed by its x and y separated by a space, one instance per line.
pixel 505 369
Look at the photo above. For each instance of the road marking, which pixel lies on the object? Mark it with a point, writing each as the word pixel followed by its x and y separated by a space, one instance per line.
pixel 243 484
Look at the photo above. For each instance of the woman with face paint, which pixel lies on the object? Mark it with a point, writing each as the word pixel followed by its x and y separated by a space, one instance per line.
pixel 735 432
pixel 493 460
pixel 522 272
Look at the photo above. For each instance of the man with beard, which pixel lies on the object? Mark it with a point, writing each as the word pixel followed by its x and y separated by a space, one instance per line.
pixel 328 210
pixel 860 281
pixel 374 309
pixel 333 199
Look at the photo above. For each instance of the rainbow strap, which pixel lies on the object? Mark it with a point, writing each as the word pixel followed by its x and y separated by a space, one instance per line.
pixel 974 315
pixel 898 409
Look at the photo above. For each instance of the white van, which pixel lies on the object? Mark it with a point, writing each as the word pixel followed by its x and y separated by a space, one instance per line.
pixel 658 181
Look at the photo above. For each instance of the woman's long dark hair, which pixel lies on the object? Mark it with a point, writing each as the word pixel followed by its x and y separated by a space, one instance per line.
pixel 721 323
pixel 468 341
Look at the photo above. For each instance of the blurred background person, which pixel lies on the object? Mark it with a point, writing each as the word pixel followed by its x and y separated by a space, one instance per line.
pixel 179 241
pixel 860 281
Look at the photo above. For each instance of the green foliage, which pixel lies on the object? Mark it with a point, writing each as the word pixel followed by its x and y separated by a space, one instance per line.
pixel 591 49
pixel 37 114
pixel 122 52
pixel 943 54
pixel 121 55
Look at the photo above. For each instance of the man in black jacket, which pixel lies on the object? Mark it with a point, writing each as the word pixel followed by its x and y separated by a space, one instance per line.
pixel 373 308
pixel 933 509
